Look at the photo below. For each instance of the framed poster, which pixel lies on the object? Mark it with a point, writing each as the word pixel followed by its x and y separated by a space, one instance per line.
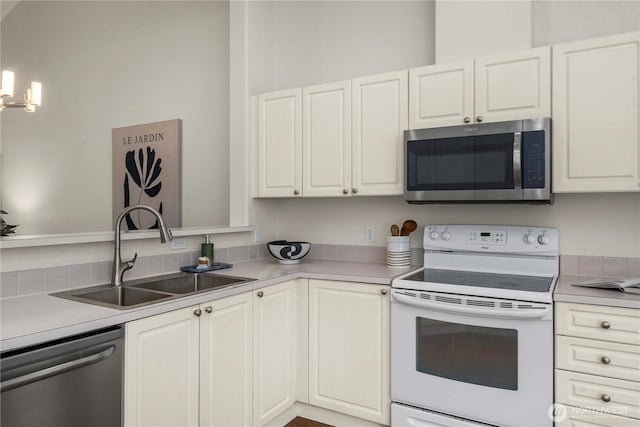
pixel 147 170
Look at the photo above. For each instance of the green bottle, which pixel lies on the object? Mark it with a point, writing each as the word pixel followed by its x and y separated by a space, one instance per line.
pixel 207 249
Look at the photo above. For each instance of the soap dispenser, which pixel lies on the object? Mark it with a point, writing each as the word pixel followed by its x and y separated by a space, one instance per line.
pixel 207 249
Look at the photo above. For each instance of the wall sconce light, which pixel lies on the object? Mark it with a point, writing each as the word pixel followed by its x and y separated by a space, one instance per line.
pixel 32 97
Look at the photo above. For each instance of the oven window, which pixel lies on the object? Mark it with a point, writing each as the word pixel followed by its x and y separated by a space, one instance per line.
pixel 471 354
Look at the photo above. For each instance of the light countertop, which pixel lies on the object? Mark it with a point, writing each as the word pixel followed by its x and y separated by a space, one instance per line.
pixel 34 319
pixel 566 291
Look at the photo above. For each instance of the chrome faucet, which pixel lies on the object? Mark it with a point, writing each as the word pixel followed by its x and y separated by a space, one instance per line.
pixel 120 266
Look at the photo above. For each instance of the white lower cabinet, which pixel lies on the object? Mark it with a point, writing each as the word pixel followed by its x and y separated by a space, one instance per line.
pixel 252 358
pixel 274 350
pixel 161 370
pixel 349 348
pixel 230 362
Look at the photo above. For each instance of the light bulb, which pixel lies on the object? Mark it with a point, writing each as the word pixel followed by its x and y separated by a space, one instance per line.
pixel 36 93
pixel 7 83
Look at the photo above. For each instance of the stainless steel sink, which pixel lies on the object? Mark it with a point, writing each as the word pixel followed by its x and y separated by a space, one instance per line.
pixel 150 290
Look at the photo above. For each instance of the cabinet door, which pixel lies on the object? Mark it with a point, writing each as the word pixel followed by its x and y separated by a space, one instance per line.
pixel 441 95
pixel 275 351
pixel 279 145
pixel 326 140
pixel 379 118
pixel 513 86
pixel 596 137
pixel 226 362
pixel 349 348
pixel 161 370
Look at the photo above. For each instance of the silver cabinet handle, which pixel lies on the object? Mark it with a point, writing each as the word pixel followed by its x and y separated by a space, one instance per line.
pixel 345 191
pixel 605 398
pixel 605 360
pixel 57 369
pixel 605 325
pixel 260 294
pixel 296 192
pixel 354 190
pixel 208 309
pixel 467 119
pixel 383 291
pixel 479 119
pixel 197 312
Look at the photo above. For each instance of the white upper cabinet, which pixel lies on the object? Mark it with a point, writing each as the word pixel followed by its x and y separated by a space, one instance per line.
pixel 513 86
pixel 441 95
pixel 380 116
pixel 279 144
pixel 326 139
pixel 596 137
pixel 509 86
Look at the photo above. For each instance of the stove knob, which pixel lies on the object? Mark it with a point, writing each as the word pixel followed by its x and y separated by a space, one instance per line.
pixel 434 235
pixel 529 238
pixel 543 239
pixel 446 236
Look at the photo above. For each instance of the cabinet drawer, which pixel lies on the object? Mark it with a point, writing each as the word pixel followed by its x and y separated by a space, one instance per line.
pixel 598 357
pixel 579 417
pixel 605 394
pixel 601 323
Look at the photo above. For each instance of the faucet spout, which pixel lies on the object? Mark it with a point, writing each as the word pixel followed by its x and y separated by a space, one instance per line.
pixel 120 266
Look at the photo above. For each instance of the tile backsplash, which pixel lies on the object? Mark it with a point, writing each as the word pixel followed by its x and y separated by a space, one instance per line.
pixel 55 279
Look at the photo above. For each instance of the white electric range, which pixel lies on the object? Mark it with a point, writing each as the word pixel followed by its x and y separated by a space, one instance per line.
pixel 472 332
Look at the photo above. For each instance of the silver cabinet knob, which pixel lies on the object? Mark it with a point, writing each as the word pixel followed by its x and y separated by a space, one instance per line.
pixel 605 398
pixel 197 312
pixel 383 291
pixel 605 325
pixel 345 191
pixel 260 294
pixel 467 119
pixel 479 119
pixel 208 309
pixel 354 190
pixel 605 360
pixel 296 192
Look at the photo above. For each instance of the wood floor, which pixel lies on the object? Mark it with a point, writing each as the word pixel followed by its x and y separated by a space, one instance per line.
pixel 303 422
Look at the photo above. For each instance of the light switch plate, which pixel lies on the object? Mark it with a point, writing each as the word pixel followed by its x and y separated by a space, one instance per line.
pixel 178 243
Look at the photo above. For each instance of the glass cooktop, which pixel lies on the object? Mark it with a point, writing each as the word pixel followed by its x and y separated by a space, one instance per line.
pixel 483 280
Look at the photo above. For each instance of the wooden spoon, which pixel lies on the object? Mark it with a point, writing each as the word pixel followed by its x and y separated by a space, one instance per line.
pixel 395 230
pixel 408 227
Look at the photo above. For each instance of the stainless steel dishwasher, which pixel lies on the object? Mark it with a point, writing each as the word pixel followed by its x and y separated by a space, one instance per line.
pixel 66 383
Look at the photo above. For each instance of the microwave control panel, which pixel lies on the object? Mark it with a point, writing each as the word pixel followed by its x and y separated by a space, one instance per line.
pixel 533 159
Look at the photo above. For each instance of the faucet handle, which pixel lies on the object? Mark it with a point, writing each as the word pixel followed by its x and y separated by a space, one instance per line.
pixel 130 263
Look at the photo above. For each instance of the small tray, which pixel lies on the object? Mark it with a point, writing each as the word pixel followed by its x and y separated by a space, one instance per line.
pixel 214 266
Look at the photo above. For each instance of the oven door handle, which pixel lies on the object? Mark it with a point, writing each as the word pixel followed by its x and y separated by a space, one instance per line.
pixel 476 311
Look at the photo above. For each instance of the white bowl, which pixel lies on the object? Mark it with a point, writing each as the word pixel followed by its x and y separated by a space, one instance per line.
pixel 288 252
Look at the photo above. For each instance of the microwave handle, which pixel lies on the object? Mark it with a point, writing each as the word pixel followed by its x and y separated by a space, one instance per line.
pixel 517 160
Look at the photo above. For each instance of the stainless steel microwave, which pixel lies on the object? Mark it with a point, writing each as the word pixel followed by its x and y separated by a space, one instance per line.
pixel 490 162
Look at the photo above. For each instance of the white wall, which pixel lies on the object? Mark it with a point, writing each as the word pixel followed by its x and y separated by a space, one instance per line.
pixel 591 224
pixel 469 29
pixel 303 43
pixel 107 64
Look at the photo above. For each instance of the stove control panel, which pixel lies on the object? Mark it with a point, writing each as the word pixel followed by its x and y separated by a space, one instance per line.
pixel 491 238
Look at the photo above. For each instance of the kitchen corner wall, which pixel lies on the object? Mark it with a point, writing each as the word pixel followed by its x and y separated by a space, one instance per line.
pixel 306 43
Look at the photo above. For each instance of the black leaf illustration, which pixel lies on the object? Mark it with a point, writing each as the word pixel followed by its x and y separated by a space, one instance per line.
pixel 153 191
pixel 145 170
pixel 130 162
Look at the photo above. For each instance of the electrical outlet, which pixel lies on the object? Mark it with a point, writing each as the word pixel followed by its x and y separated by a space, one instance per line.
pixel 371 234
pixel 178 243
pixel 258 234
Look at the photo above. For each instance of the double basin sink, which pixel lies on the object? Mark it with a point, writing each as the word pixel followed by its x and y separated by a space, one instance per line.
pixel 137 293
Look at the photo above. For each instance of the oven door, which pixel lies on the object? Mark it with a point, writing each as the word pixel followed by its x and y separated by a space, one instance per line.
pixel 477 358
